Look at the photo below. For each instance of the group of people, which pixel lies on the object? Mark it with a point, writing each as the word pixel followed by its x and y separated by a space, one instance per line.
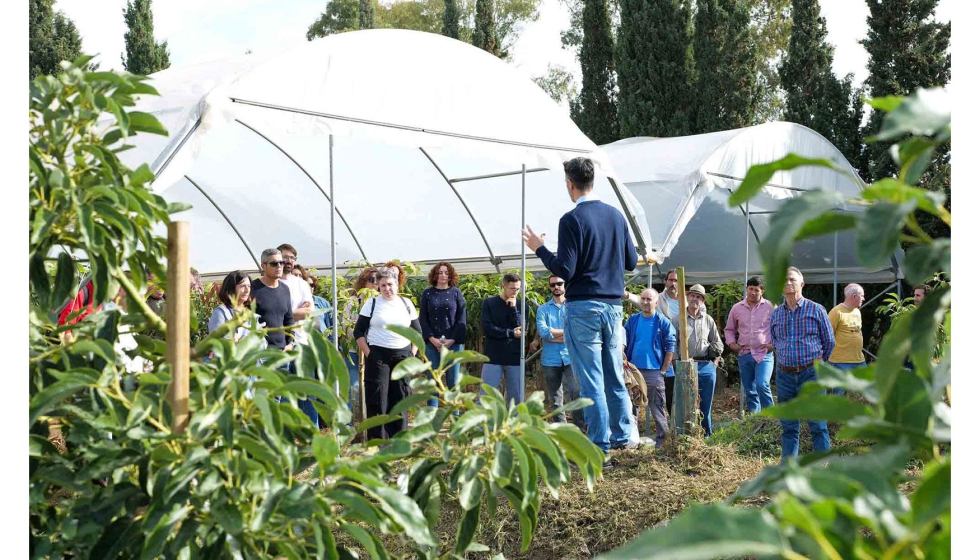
pixel 581 332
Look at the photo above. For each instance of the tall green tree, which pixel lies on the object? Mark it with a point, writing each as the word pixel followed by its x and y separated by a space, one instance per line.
pixel 485 28
pixel 907 49
pixel 144 55
pixel 52 37
pixel 559 84
pixel 340 16
pixel 655 68
pixel 365 14
pixel 814 96
pixel 595 110
pixel 450 19
pixel 726 62
pixel 771 22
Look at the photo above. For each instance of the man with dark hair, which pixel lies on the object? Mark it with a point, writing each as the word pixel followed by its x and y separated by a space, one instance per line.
pixel 501 320
pixel 668 304
pixel 801 336
pixel 300 294
pixel 594 248
pixel 558 376
pixel 747 334
pixel 920 293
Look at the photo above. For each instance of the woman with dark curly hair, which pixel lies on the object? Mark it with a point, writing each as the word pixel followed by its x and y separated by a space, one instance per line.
pixel 442 315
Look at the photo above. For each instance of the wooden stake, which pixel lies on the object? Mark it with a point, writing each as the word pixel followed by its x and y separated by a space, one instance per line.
pixel 682 315
pixel 178 315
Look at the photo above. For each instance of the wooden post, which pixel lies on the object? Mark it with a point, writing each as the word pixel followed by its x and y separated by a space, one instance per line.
pixel 178 315
pixel 683 416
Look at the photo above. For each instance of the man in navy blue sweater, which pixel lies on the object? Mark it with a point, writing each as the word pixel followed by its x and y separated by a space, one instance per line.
pixel 594 250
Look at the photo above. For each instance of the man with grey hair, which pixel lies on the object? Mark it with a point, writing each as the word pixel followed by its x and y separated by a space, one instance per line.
pixel 650 345
pixel 846 322
pixel 273 308
pixel 801 336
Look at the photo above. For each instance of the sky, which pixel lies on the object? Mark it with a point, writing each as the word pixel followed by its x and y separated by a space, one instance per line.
pixel 199 30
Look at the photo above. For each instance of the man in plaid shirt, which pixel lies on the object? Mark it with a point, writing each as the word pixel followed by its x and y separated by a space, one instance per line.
pixel 801 335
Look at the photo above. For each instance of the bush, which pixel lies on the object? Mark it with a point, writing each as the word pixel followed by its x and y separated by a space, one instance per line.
pixel 251 476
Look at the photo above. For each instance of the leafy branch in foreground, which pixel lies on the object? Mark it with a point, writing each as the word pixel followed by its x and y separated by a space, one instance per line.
pixel 251 477
pixel 849 502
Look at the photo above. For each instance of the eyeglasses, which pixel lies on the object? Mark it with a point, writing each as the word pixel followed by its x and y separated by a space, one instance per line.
pixel 288 258
pixel 274 263
pixel 553 284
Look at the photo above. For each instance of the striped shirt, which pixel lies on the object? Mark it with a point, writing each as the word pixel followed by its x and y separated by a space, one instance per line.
pixel 801 336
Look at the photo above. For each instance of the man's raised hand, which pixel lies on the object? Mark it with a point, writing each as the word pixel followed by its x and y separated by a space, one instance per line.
pixel 531 239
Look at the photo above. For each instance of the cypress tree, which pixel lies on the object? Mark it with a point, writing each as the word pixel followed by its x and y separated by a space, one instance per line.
pixel 814 96
pixel 655 67
pixel 450 19
pixel 365 14
pixel 485 28
pixel 725 61
pixel 907 50
pixel 143 54
pixel 595 111
pixel 52 37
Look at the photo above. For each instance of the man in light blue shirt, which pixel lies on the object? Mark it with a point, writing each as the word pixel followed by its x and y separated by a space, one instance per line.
pixel 554 356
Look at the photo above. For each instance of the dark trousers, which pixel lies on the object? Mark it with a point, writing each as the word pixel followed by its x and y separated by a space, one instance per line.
pixel 561 380
pixel 669 390
pixel 381 394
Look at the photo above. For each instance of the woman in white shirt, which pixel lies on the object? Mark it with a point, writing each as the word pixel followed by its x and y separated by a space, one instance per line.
pixel 383 350
pixel 233 295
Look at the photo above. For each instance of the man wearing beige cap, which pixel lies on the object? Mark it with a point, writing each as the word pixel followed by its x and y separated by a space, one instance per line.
pixel 704 346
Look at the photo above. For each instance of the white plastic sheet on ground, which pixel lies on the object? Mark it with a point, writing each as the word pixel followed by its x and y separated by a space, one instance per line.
pixel 684 183
pixel 409 112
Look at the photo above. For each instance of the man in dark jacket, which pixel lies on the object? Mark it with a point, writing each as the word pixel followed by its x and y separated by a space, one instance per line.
pixel 594 248
pixel 501 319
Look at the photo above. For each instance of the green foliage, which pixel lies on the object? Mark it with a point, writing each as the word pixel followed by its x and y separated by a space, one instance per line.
pixel 907 50
pixel 143 54
pixel 450 18
pixel 655 67
pixel 814 96
pixel 52 37
pixel 251 476
pixel 365 14
pixel 595 109
pixel 893 307
pixel 558 83
pixel 771 21
pixel 485 28
pixel 849 502
pixel 725 56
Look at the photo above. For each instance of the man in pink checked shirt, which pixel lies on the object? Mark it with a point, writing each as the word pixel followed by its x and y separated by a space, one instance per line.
pixel 747 333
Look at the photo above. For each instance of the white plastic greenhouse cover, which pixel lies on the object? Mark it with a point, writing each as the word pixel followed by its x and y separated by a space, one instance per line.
pixel 684 183
pixel 412 116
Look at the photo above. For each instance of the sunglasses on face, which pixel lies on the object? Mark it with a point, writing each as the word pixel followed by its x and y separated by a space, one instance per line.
pixel 372 279
pixel 553 284
pixel 274 263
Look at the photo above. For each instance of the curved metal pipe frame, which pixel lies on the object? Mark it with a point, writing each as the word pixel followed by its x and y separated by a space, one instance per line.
pixel 307 173
pixel 227 219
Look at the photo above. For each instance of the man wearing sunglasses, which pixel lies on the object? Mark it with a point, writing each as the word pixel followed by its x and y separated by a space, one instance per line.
pixel 272 300
pixel 554 356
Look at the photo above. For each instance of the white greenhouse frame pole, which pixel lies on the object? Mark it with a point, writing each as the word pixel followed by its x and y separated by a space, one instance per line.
pixel 523 275
pixel 333 255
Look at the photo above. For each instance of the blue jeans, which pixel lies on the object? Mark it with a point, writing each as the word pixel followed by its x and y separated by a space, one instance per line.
pixel 452 374
pixel 844 367
pixel 513 379
pixel 707 376
pixel 787 387
pixel 353 365
pixel 755 381
pixel 594 347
